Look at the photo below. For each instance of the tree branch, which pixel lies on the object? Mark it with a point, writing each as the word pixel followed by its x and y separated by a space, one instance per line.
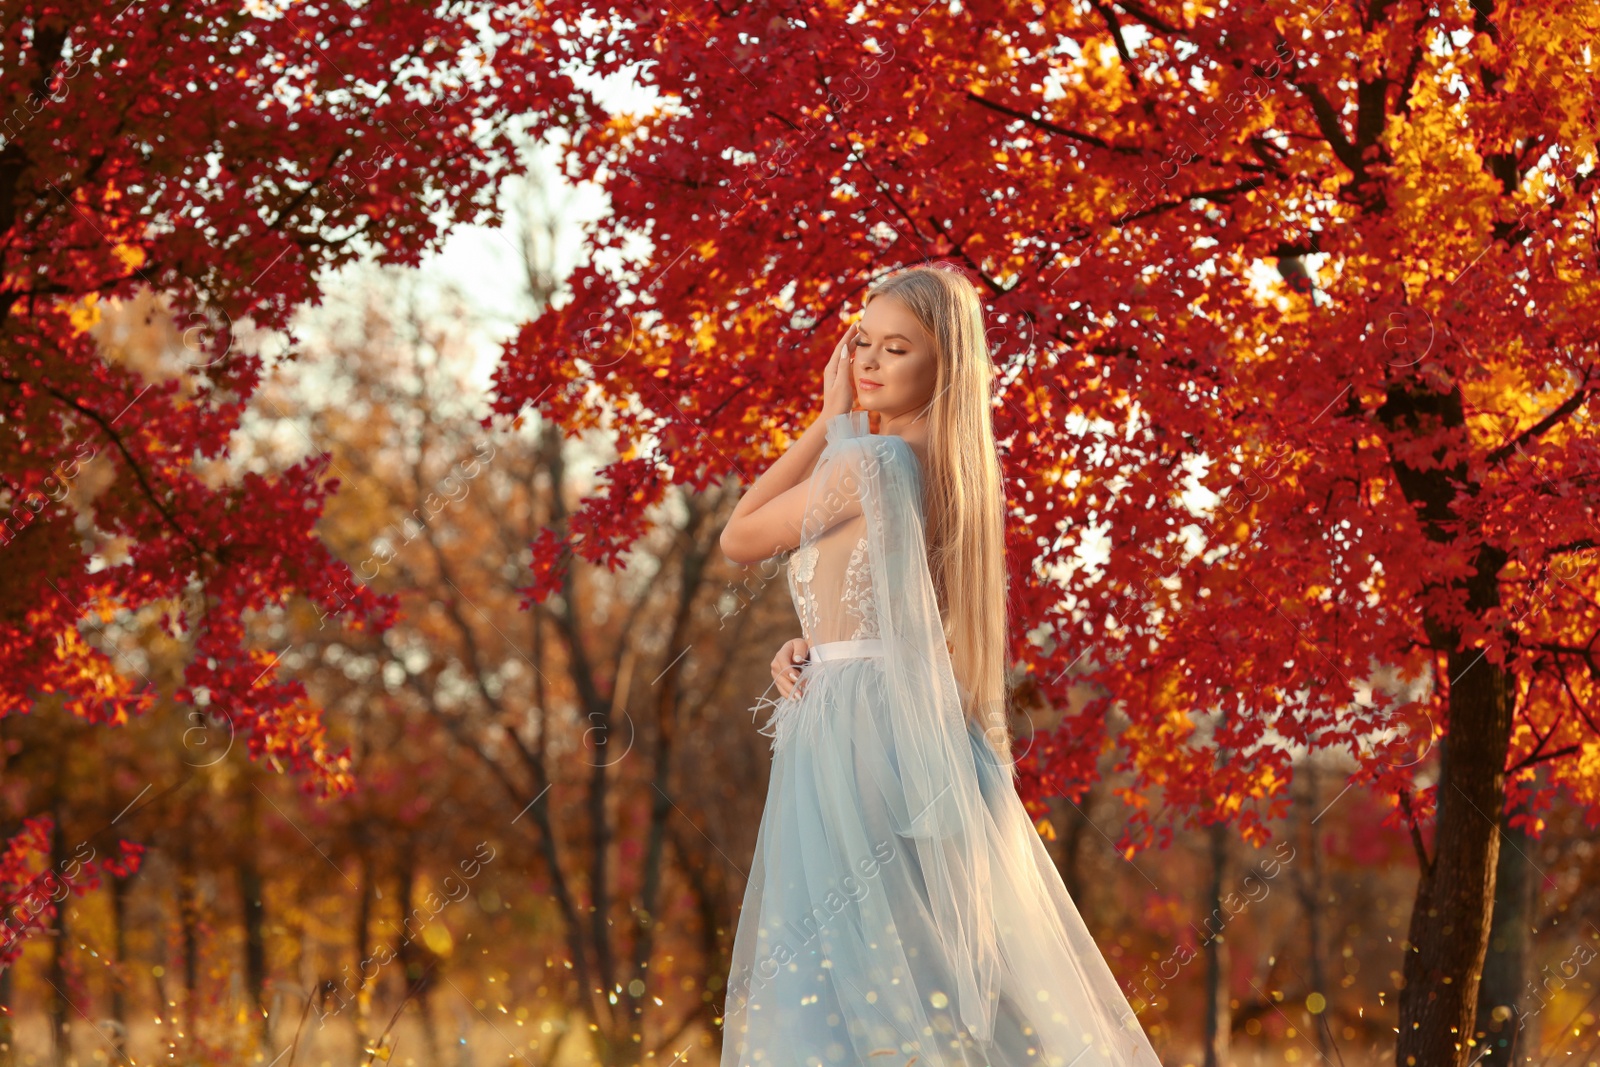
pixel 1571 404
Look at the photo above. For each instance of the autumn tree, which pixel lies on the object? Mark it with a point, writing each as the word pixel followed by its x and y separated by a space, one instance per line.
pixel 1373 458
pixel 226 159
pixel 579 729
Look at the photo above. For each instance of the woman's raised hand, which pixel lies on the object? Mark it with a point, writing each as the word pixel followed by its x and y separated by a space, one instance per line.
pixel 838 384
pixel 784 669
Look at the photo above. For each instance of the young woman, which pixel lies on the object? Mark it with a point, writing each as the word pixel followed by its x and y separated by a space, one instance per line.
pixel 901 907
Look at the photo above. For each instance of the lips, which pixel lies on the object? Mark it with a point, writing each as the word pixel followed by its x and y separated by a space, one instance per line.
pixel 868 383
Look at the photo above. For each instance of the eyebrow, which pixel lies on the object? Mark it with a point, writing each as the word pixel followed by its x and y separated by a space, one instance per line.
pixel 888 336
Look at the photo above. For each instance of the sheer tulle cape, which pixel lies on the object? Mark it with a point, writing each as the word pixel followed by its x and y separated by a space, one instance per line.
pixel 932 794
pixel 876 758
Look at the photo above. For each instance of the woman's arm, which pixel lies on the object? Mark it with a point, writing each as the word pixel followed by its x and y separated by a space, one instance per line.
pixel 767 518
pixel 758 527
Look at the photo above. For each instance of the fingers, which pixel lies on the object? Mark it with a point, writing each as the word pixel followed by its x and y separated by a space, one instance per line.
pixel 787 663
pixel 838 383
pixel 844 352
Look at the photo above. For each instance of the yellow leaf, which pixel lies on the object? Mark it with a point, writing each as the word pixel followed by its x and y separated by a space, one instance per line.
pixel 132 255
pixel 87 315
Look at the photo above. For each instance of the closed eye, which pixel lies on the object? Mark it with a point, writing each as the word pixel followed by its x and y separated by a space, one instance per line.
pixel 896 351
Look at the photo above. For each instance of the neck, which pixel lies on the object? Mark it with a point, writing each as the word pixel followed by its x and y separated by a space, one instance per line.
pixel 912 425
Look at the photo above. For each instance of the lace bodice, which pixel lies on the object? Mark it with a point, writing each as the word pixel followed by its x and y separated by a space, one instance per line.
pixel 834 603
pixel 831 579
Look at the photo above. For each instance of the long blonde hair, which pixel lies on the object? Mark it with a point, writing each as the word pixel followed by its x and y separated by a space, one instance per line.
pixel 965 496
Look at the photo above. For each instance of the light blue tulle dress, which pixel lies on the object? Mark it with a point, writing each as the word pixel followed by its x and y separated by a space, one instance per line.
pixel 901 908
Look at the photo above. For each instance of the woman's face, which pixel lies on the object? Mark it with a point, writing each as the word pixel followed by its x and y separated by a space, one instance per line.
pixel 894 367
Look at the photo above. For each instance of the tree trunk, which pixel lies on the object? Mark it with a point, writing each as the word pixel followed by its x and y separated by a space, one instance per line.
pixel 1444 948
pixel 248 871
pixel 1507 1023
pixel 119 975
pixel 1311 888
pixel 189 918
pixel 8 1033
pixel 710 891
pixel 668 689
pixel 60 1005
pixel 1077 823
pixel 419 967
pixel 363 939
pixel 1449 932
pixel 1218 1011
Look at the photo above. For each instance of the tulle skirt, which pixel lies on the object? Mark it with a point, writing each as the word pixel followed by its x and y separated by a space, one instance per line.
pixel 836 959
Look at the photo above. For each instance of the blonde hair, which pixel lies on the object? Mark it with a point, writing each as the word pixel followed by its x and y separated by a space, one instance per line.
pixel 965 497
